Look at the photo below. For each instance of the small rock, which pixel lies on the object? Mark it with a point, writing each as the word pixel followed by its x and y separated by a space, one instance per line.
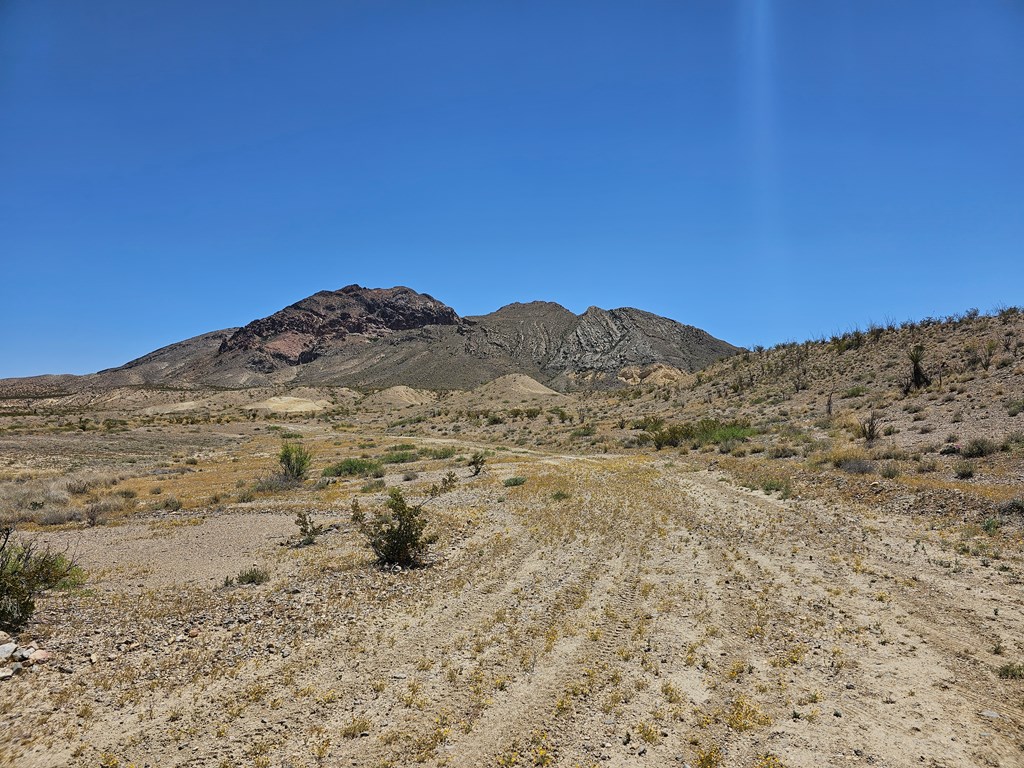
pixel 7 650
pixel 22 654
pixel 193 632
pixel 5 638
pixel 40 656
pixel 990 714
pixel 6 672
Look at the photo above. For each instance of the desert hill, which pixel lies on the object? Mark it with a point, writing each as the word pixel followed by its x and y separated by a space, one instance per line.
pixel 375 338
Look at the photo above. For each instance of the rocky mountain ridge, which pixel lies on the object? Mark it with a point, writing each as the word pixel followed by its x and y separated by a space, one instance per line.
pixel 370 338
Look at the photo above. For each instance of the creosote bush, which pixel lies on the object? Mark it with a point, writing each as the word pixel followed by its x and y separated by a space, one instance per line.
pixel 25 572
pixel 396 534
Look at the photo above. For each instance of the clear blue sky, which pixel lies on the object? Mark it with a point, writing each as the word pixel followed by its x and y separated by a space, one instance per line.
pixel 764 170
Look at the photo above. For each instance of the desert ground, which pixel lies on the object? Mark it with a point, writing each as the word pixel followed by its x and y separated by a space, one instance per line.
pixel 781 587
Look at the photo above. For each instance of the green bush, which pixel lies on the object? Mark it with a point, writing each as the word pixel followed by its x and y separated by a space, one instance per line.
pixel 399 457
pixel 1012 671
pixel 396 534
pixel 295 460
pixel 25 572
pixel 352 467
pixel 512 482
pixel 442 452
pixel 252 575
pixel 701 433
pixel 979 447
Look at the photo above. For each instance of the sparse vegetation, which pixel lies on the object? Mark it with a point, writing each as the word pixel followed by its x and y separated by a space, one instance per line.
pixel 353 467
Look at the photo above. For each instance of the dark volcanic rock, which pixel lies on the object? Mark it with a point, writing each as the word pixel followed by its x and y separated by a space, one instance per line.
pixel 307 329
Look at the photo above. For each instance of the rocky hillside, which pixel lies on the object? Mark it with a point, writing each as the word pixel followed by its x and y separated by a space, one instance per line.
pixel 381 337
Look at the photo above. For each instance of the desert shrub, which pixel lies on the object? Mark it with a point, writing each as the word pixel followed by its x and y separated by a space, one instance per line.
pixel 395 534
pixel 512 482
pixel 409 476
pixel 856 466
pixel 351 467
pixel 979 447
pixel 964 470
pixel 869 427
pixel 291 435
pixel 79 485
pixel 854 392
pixel 308 530
pixel 703 432
pixel 253 575
pixel 25 572
pixel 476 462
pixel 587 431
pixel 649 423
pixel 441 452
pixel 295 460
pixel 399 457
pixel 1012 507
pixel 373 485
pixel 927 465
pixel 773 484
pixel 97 512
pixel 1017 406
pixel 61 516
pixel 891 471
pixel 1012 671
pixel 781 451
pixel 171 504
pixel 560 495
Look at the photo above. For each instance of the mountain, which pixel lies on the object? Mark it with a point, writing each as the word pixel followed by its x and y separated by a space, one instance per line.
pixel 381 337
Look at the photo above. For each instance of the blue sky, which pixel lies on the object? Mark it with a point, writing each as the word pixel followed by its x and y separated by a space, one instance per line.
pixel 764 170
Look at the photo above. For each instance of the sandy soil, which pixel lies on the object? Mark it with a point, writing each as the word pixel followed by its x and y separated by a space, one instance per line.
pixel 613 610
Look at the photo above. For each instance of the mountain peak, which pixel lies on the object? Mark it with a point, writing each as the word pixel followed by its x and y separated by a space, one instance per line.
pixel 381 337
